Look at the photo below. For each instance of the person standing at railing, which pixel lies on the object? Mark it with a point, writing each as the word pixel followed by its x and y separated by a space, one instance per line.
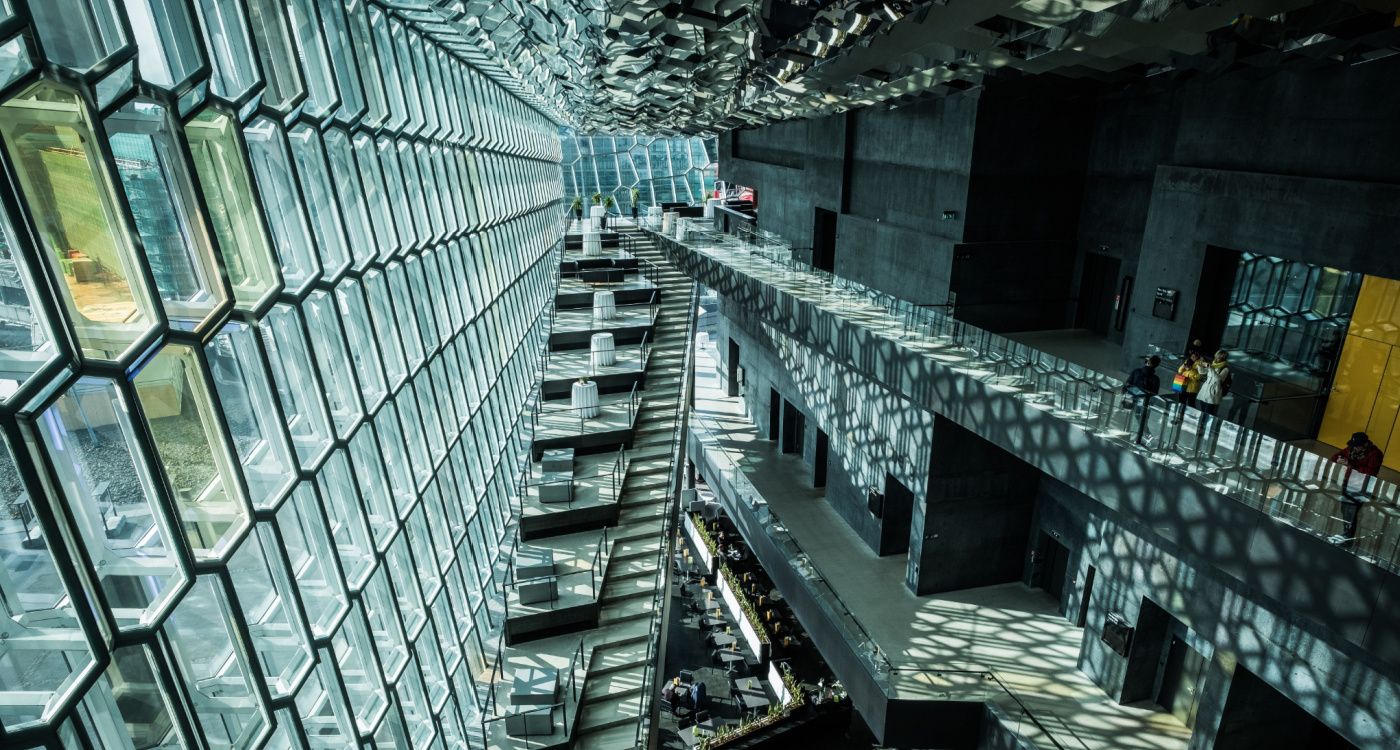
pixel 1186 384
pixel 1143 383
pixel 1362 457
pixel 1215 384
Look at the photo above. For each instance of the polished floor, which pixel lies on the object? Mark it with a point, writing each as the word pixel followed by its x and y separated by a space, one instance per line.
pixel 1010 630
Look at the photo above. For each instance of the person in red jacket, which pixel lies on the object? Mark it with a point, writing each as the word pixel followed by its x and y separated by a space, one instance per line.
pixel 1361 455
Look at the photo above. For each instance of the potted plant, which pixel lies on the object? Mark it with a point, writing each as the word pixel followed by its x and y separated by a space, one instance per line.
pixel 636 196
pixel 608 203
pixel 596 198
pixel 577 207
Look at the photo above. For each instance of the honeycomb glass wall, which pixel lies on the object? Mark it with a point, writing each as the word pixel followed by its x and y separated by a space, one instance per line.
pixel 272 277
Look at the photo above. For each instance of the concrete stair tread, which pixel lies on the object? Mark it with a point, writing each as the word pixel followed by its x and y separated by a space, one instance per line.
pixel 635 548
pixel 620 571
pixel 627 610
pixel 613 738
pixel 613 684
pixel 627 588
pixel 608 713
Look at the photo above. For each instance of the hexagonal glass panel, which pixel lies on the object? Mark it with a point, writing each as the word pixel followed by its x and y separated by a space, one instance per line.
pixel 173 390
pixel 160 191
pixel 76 209
pixel 346 517
pixel 314 565
pixel 26 333
pixel 342 59
pixel 364 682
pixel 382 313
pixel 214 662
pixel 298 389
pixel 167 46
pixel 246 399
pixel 127 708
pixel 333 361
pixel 364 56
pixel 353 201
pixel 222 168
pixel 285 87
pixel 78 34
pixel 382 209
pixel 381 611
pixel 323 709
pixel 14 60
pixel 114 501
pixel 322 97
pixel 321 204
pixel 230 48
pixel 354 311
pixel 44 651
pixel 281 200
pixel 270 607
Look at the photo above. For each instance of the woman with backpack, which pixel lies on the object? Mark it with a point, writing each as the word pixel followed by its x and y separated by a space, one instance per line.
pixel 1214 379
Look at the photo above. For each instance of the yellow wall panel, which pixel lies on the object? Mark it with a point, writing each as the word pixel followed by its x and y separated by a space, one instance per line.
pixel 1377 314
pixel 1382 421
pixel 1354 392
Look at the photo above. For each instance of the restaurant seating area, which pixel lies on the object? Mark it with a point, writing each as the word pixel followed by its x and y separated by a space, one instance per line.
pixel 713 680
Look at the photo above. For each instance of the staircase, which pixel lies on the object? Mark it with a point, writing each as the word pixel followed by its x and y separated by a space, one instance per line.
pixel 621 668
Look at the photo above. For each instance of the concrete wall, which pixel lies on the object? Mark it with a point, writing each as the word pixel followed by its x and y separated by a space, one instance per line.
pixel 1335 682
pixel 870 430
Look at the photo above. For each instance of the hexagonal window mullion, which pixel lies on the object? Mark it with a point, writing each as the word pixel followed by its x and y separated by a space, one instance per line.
pixel 237 76
pixel 268 602
pixel 285 93
pixel 176 399
pixel 47 650
pixel 214 660
pixel 315 565
pixel 226 186
pixel 129 532
pixel 322 204
pixel 283 204
pixel 79 220
pixel 298 386
pixel 305 24
pixel 150 157
pixel 253 415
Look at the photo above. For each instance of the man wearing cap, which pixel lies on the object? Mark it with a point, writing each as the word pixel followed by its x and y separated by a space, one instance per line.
pixel 1361 455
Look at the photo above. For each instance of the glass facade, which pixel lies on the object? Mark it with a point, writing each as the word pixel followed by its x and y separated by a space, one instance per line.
pixel 272 289
pixel 660 169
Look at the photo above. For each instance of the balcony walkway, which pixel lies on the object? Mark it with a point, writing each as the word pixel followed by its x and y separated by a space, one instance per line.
pixel 1009 630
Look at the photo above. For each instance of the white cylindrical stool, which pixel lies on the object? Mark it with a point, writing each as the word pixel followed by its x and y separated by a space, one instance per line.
pixel 592 244
pixel 668 222
pixel 601 350
pixel 604 306
pixel 710 207
pixel 682 228
pixel 595 217
pixel 584 398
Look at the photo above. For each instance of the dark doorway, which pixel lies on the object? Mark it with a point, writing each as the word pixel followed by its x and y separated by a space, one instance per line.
pixel 896 515
pixel 775 413
pixel 732 377
pixel 793 426
pixel 1213 296
pixel 824 239
pixel 1098 286
pixel 1183 668
pixel 1084 598
pixel 1051 565
pixel 1256 715
pixel 819 460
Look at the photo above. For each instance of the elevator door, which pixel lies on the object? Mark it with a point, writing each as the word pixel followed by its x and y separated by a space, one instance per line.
pixel 1098 285
pixel 1182 671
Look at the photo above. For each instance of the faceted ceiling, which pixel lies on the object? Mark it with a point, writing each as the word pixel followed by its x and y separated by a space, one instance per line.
pixel 705 66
